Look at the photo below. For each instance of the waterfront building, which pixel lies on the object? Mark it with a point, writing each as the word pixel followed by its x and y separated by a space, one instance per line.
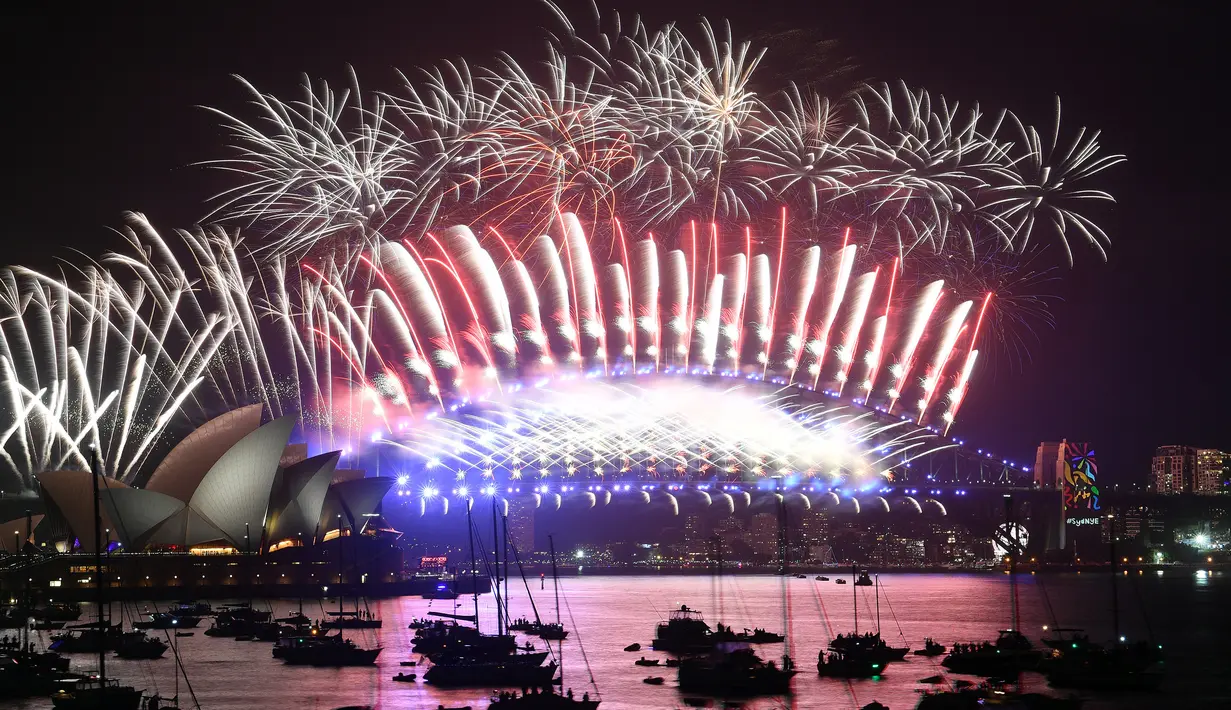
pixel 1212 467
pixel 521 525
pixel 1049 464
pixel 1173 469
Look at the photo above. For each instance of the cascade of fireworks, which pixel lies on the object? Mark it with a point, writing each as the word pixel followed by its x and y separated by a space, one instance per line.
pixel 428 327
pixel 658 130
pixel 122 356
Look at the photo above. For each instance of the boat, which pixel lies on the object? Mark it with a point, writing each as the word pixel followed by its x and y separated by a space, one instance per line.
pixel 329 651
pixel 685 631
pixel 822 578
pixel 643 661
pixel 97 692
pixel 1118 667
pixel 449 636
pixel 1078 663
pixel 868 647
pixel 839 581
pixel 237 620
pixel 57 612
pixel 737 672
pixel 191 608
pixel 467 658
pixel 1011 652
pixel 1066 638
pixel 546 700
pixel 296 619
pixel 653 680
pixel 632 647
pixel 801 576
pixel 522 624
pixel 509 673
pixel 762 636
pixel 930 648
pixel 847 664
pixel 864 580
pixel 351 620
pixel 408 664
pixel 27 673
pixel 441 591
pixel 86 638
pixel 136 645
pixel 405 677
pixel 164 620
pixel 548 632
pixel 968 696
pixel 182 634
pixel 1007 656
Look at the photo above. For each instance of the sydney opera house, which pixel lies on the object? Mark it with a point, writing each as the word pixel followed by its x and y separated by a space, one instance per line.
pixel 233 505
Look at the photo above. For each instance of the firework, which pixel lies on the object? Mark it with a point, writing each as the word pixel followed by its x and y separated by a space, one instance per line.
pixel 123 355
pixel 656 129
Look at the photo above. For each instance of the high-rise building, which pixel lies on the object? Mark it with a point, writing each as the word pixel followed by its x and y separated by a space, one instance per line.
pixel 762 534
pixel 813 528
pixel 1211 471
pixel 1049 464
pixel 1173 469
pixel 521 525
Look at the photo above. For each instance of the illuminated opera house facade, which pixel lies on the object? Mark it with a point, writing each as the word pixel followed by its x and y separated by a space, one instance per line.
pixel 233 507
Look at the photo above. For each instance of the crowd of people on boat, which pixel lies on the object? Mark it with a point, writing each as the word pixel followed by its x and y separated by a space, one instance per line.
pixel 531 692
pixel 981 646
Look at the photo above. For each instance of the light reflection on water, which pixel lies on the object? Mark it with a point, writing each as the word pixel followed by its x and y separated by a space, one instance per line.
pixel 608 613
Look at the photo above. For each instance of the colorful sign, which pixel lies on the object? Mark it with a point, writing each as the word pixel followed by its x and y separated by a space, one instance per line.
pixel 429 564
pixel 1080 478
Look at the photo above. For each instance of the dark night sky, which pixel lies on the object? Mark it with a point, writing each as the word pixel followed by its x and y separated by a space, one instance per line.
pixel 103 113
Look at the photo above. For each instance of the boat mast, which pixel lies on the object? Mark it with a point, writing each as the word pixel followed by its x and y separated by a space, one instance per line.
pixel 878 605
pixel 98 578
pixel 1008 516
pixel 474 586
pixel 341 573
pixel 555 583
pixel 496 570
pixel 1115 594
pixel 504 524
pixel 855 597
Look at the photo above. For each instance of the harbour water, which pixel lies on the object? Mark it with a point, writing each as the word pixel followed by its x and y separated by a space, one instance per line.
pixel 1185 611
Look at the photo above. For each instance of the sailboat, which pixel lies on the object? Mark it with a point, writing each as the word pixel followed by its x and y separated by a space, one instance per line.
pixel 855 656
pixel 324 649
pixel 1114 666
pixel 549 699
pixel 1011 652
pixel 97 692
pixel 25 672
pixel 468 658
pixel 870 645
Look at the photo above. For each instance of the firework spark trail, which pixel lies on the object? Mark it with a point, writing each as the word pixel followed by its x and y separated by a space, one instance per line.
pixel 854 326
pixel 952 331
pixel 818 348
pixel 906 361
pixel 796 315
